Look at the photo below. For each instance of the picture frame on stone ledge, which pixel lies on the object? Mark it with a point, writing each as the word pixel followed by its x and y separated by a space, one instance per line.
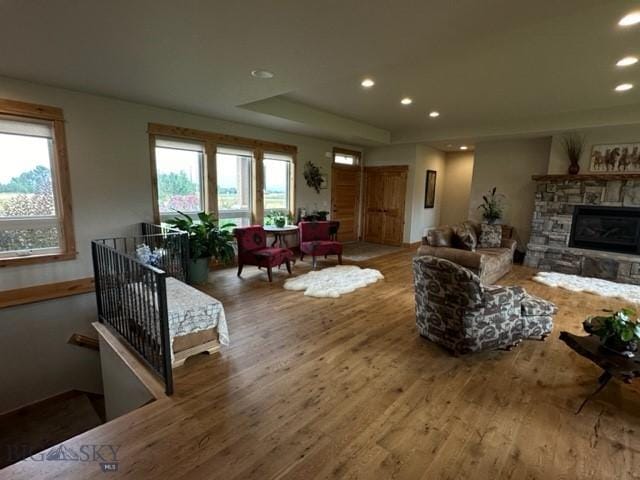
pixel 615 158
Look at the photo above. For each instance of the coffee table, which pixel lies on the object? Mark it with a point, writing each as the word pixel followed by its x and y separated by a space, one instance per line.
pixel 614 365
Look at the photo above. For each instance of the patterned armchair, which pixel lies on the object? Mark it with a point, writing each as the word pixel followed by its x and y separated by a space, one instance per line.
pixel 253 250
pixel 455 310
pixel 315 240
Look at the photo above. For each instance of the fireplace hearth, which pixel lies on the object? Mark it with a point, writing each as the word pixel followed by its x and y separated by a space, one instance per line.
pixel 610 229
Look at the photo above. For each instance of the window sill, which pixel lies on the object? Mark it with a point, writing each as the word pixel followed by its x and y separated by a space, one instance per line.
pixel 34 259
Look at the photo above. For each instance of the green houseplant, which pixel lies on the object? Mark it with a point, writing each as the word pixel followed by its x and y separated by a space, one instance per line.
pixel 277 219
pixel 207 239
pixel 491 206
pixel 619 331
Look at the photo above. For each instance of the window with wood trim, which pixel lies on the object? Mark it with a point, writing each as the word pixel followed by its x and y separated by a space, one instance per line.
pixel 233 172
pixel 278 182
pixel 179 176
pixel 346 157
pixel 35 197
pixel 240 178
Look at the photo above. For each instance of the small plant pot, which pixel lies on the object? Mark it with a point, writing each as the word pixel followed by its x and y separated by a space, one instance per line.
pixel 281 222
pixel 199 270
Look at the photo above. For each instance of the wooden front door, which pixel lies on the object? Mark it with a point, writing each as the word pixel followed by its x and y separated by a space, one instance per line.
pixel 345 200
pixel 385 189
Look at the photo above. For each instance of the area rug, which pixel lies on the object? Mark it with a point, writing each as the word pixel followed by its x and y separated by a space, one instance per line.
pixel 360 251
pixel 596 286
pixel 334 281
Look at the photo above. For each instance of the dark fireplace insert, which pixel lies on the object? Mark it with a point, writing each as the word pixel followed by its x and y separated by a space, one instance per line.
pixel 613 229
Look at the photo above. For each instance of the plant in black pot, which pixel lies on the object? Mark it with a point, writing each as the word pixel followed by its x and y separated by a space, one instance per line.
pixel 207 239
pixel 619 332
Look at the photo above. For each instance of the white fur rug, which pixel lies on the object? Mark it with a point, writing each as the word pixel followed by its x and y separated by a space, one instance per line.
pixel 597 286
pixel 334 281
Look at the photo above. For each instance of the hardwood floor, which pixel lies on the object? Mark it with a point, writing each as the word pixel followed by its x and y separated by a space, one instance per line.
pixel 346 388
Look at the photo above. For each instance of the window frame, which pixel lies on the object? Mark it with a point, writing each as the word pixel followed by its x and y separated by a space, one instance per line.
pixel 54 116
pixel 211 141
pixel 203 177
pixel 228 214
pixel 357 156
pixel 289 194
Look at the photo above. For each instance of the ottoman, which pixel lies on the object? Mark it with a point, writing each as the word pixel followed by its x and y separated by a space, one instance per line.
pixel 537 316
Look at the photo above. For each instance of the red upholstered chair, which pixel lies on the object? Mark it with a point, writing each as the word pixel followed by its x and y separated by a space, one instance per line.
pixel 315 240
pixel 253 250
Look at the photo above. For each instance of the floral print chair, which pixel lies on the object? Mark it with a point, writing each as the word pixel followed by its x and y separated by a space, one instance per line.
pixel 455 310
pixel 253 250
pixel 316 240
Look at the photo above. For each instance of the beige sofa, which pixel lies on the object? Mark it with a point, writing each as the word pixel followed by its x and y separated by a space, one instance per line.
pixel 490 264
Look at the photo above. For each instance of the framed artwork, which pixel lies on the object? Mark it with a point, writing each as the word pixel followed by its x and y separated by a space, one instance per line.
pixel 615 158
pixel 430 189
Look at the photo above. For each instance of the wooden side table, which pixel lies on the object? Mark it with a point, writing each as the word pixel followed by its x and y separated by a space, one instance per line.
pixel 614 365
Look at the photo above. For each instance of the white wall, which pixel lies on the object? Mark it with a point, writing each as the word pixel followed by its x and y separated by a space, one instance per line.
pixel 419 159
pixel 558 162
pixel 509 165
pixel 427 159
pixel 109 163
pixel 457 187
pixel 37 362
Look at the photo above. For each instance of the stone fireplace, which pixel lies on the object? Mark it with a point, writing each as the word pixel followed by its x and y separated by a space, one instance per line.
pixel 587 225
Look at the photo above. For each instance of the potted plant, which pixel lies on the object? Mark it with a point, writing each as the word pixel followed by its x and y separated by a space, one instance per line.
pixel 618 332
pixel 573 144
pixel 491 206
pixel 278 219
pixel 207 239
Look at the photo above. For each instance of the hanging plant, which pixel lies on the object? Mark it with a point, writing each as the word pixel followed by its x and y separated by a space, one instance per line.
pixel 313 176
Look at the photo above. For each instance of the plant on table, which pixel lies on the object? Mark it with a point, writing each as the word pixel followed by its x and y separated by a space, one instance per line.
pixel 491 206
pixel 278 219
pixel 207 239
pixel 619 331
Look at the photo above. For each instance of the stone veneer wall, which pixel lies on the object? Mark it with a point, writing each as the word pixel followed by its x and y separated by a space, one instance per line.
pixel 556 198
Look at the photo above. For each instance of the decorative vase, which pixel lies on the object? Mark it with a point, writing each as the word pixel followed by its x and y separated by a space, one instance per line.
pixel 198 270
pixel 280 222
pixel 574 168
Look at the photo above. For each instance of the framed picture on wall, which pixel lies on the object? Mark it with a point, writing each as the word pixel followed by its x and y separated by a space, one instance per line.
pixel 430 189
pixel 622 157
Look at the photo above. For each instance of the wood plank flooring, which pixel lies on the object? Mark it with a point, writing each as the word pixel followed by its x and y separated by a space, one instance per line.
pixel 346 388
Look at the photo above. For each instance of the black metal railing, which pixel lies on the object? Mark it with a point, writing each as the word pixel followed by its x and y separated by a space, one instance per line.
pixel 132 295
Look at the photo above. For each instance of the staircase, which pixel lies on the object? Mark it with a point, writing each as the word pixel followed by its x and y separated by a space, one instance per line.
pixel 41 425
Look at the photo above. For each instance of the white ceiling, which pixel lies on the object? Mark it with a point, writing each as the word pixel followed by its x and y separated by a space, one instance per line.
pixel 491 67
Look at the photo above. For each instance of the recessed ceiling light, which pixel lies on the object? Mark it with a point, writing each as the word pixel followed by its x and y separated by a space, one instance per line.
pixel 434 114
pixel 367 83
pixel 262 74
pixel 406 101
pixel 464 147
pixel 623 87
pixel 630 19
pixel 627 61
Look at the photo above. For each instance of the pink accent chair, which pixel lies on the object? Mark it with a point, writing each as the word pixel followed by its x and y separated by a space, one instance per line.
pixel 315 240
pixel 253 250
